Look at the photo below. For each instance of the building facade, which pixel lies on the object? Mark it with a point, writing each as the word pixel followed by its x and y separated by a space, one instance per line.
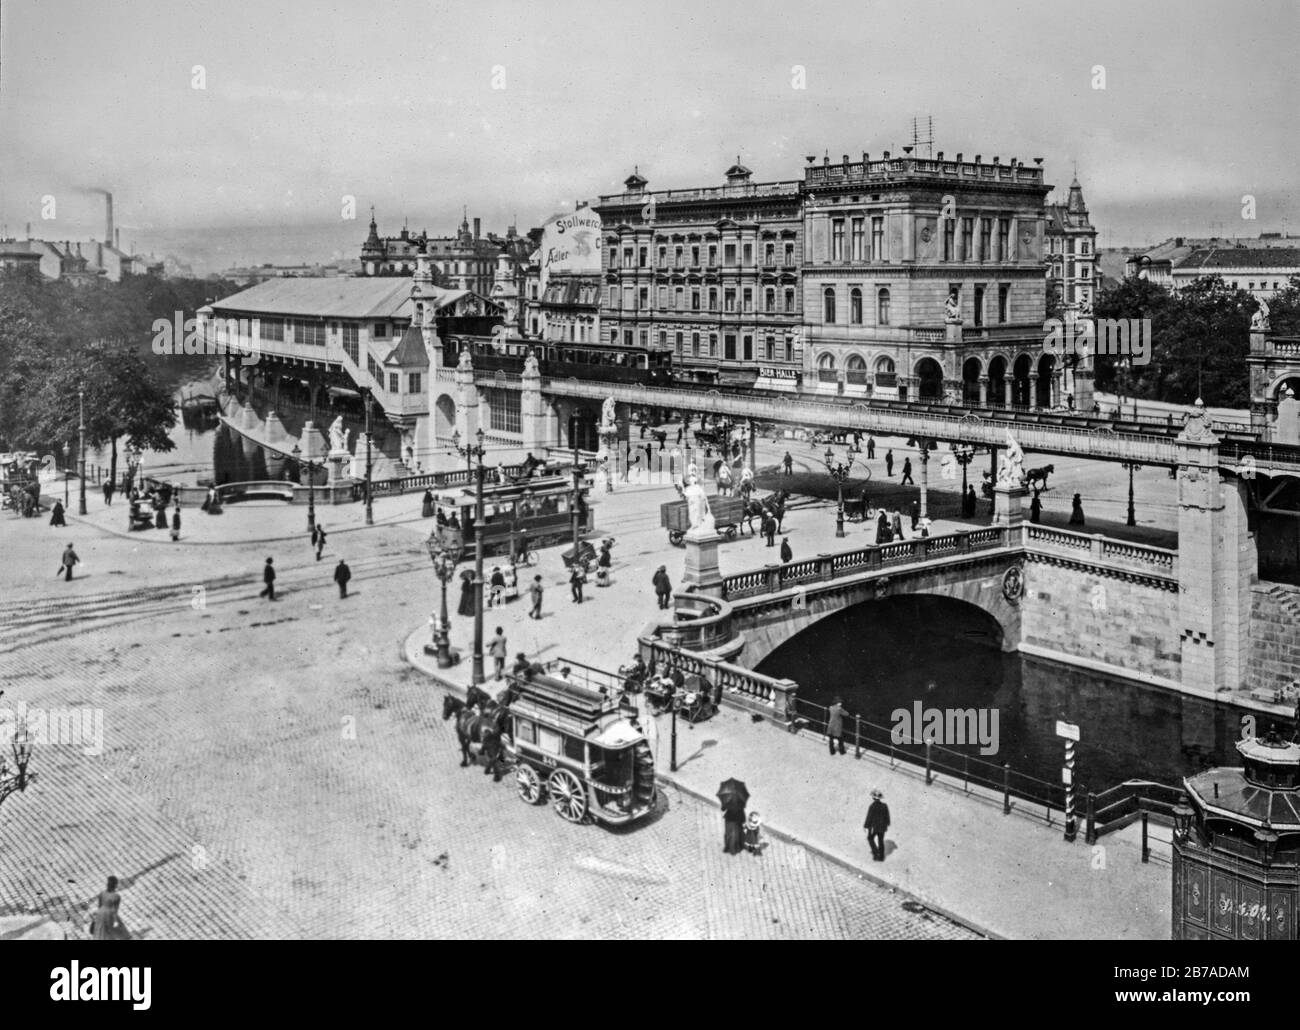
pixel 1071 254
pixel 923 280
pixel 711 274
pixel 465 261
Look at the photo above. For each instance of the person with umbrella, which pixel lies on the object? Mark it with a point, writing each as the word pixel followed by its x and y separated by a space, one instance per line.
pixel 733 795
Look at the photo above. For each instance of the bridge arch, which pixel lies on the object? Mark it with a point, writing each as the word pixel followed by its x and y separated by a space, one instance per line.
pixel 1273 512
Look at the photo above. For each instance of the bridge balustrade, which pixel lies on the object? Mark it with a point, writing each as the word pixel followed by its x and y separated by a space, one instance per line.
pixel 741 687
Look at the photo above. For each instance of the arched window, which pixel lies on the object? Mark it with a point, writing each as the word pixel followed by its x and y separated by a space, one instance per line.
pixel 885 364
pixel 882 307
pixel 856 363
pixel 828 304
pixel 826 361
pixel 855 306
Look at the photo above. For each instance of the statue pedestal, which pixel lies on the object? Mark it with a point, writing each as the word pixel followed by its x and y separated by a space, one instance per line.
pixel 952 332
pixel 1008 507
pixel 335 463
pixel 701 569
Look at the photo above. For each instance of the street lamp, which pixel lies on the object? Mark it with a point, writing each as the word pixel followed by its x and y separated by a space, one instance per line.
pixel 16 779
pixel 81 451
pixel 840 473
pixel 370 511
pixel 963 455
pixel 577 485
pixel 475 452
pixel 1131 466
pixel 66 448
pixel 311 485
pixel 444 567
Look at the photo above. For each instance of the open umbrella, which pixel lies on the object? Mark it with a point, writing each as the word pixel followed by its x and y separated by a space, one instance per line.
pixel 732 791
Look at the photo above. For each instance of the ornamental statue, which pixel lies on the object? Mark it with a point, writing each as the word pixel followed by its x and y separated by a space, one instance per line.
pixel 952 310
pixel 1259 320
pixel 697 502
pixel 338 437
pixel 1011 470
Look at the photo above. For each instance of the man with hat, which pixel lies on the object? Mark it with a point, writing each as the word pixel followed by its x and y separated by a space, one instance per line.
pixel 663 586
pixel 876 825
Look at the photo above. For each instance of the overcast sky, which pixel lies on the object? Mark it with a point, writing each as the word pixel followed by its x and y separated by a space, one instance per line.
pixel 393 103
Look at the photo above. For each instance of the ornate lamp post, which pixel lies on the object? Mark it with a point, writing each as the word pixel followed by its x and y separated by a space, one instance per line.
pixel 840 473
pixel 66 448
pixel 370 511
pixel 963 455
pixel 311 485
pixel 17 778
pixel 577 485
pixel 1131 466
pixel 475 452
pixel 444 567
pixel 81 451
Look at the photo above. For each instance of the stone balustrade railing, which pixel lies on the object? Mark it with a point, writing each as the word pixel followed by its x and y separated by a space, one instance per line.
pixel 700 623
pixel 1103 551
pixel 741 687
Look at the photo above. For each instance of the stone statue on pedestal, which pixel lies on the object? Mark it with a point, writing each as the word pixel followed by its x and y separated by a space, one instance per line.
pixel 1259 320
pixel 697 503
pixel 952 310
pixel 338 437
pixel 1011 470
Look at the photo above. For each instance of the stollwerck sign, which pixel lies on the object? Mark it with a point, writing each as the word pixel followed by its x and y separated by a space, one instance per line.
pixel 571 244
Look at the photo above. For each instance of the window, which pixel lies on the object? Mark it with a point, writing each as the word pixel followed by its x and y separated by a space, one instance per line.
pixel 627 257
pixel 748 345
pixel 748 254
pixel 729 300
pixel 1004 238
pixel 826 361
pixel 713 300
pixel 837 239
pixel 1084 270
pixel 351 342
pixel 1083 246
pixel 713 344
pixel 642 257
pixel 628 339
pixel 272 329
pixel 613 296
pixel 526 730
pixel 729 346
pixel 1004 296
pixel 645 338
pixel 769 348
pixel 789 349
pixel 986 233
pixel 695 257
pixel 629 298
pixel 695 345
pixel 311 334
pixel 729 254
pixel 769 253
pixel 882 307
pixel 663 340
pixel 414 382
pixel 713 254
pixel 747 297
pixel 949 231
pixel 855 306
pixel 828 304
pixel 859 241
pixel 789 299
pixel 663 257
pixel 679 298
pixel 678 340
pixel 379 331
pixel 695 299
pixel 663 296
pixel 644 296
pixel 979 305
pixel 878 239
pixel 677 257
pixel 968 239
pixel 789 253
pixel 503 410
pixel 394 382
pixel 372 366
pixel 769 300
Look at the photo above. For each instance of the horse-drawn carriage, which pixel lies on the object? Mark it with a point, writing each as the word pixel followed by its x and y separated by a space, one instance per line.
pixel 727 514
pixel 570 742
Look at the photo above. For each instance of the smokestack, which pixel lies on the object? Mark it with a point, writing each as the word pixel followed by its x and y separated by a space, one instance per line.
pixel 108 211
pixel 29 230
pixel 117 239
pixel 476 228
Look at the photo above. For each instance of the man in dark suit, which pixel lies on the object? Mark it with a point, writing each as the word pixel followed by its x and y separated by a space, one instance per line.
pixel 268 577
pixel 876 825
pixel 341 576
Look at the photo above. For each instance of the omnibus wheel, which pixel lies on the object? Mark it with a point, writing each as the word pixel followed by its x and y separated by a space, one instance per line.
pixel 567 796
pixel 675 537
pixel 529 783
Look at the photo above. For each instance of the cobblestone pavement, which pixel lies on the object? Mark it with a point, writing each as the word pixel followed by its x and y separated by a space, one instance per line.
pixel 276 770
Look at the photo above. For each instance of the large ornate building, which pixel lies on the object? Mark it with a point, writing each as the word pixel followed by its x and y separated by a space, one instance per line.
pixel 711 274
pixel 1072 253
pixel 466 261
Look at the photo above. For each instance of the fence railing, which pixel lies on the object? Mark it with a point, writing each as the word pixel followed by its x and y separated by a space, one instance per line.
pixel 741 687
pixel 1117 806
pixel 430 481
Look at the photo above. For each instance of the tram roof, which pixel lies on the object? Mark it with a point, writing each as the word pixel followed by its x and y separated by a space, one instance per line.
pixel 498 490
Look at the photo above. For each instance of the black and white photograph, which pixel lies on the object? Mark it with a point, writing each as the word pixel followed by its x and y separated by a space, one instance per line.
pixel 556 471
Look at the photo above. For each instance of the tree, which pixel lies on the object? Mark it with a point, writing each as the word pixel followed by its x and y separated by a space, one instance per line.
pixel 1284 309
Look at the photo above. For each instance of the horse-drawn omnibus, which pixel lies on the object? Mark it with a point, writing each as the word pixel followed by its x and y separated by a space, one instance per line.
pixel 536 512
pixel 573 743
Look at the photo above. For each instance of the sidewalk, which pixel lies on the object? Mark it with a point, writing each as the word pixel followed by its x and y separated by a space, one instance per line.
pixel 956 853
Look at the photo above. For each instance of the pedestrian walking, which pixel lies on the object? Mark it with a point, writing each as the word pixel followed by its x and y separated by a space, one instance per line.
pixel 883 535
pixel 56 515
pixel 108 492
pixel 787 554
pixel 769 528
pixel 176 523
pixel 315 532
pixel 465 606
pixel 496 588
pixel 663 586
pixel 341 576
pixel 105 922
pixel 788 462
pixel 835 725
pixel 68 560
pixel 535 596
pixel 876 824
pixel 1035 509
pixel 160 515
pixel 896 525
pixel 268 579
pixel 679 434
pixel 907 472
pixel 426 505
pixel 577 577
pixel 915 514
pixel 871 447
pixel 971 503
pixel 320 541
pixel 733 826
pixel 889 462
pixel 497 649
pixel 1076 511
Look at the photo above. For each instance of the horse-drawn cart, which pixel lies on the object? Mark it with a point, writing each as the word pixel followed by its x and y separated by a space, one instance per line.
pixel 727 513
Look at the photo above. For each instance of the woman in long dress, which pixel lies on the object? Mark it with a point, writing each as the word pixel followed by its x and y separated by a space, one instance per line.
pixel 426 509
pixel 105 923
pixel 466 606
pixel 733 816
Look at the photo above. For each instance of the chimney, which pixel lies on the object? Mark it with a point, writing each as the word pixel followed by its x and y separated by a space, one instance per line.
pixel 108 212
pixel 941 155
pixel 959 156
pixel 886 155
pixel 29 230
pixel 117 239
pixel 476 228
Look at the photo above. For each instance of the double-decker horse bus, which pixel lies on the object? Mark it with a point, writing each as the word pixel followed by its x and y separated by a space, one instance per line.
pixel 536 512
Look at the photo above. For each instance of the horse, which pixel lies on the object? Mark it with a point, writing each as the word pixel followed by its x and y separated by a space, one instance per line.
pixel 1039 475
pixel 481 728
pixel 773 503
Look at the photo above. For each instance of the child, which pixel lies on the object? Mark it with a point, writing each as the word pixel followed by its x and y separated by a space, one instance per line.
pixel 753 834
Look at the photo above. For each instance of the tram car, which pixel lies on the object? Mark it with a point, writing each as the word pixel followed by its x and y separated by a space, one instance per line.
pixel 527 513
pixel 572 743
pixel 563 360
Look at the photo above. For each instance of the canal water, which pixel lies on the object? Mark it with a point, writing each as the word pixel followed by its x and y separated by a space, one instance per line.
pixel 887 655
